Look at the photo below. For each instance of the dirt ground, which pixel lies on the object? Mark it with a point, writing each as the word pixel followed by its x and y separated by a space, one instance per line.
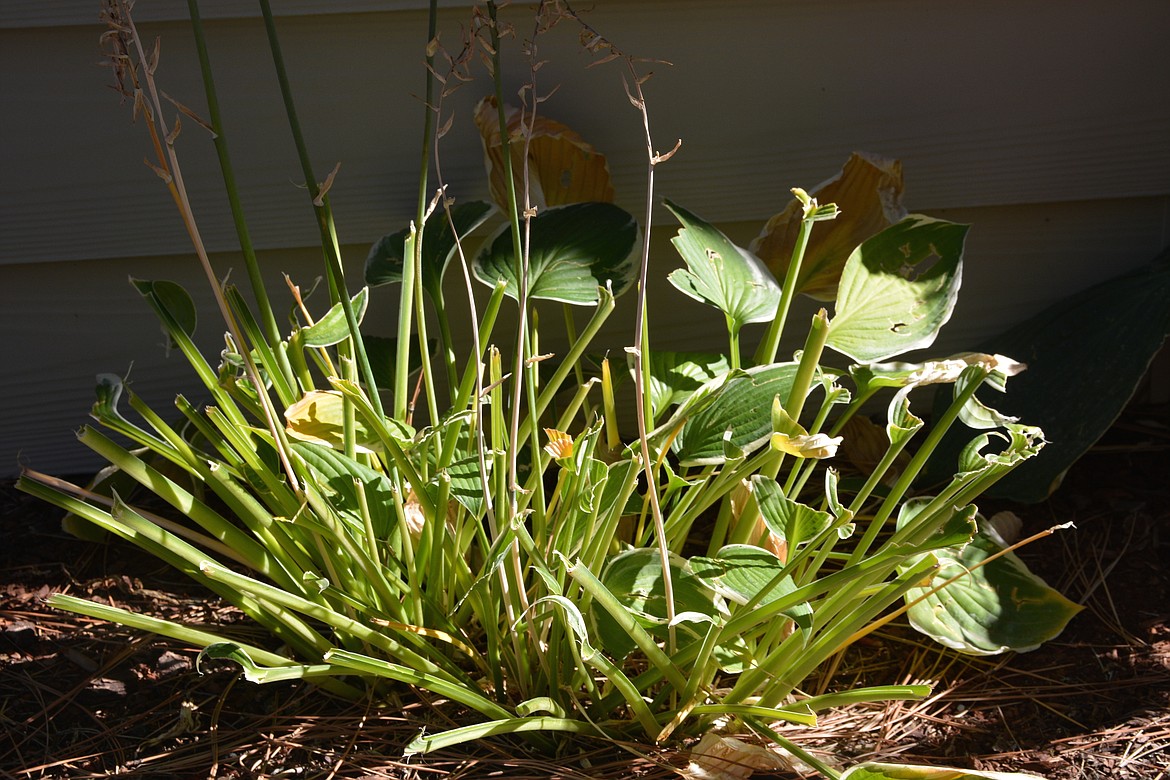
pixel 79 698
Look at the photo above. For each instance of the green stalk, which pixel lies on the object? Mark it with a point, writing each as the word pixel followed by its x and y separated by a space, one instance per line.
pixel 279 366
pixel 410 297
pixel 912 469
pixel 771 343
pixel 188 635
pixel 324 214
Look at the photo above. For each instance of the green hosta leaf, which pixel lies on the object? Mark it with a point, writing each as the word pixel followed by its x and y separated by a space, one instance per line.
pixel 385 262
pixel 877 771
pixel 741 573
pixel 722 274
pixel 341 476
pixel 950 526
pixel 898 289
pixel 996 607
pixel 788 520
pixel 674 376
pixel 736 411
pixel 173 304
pixel 332 328
pixel 1094 346
pixel 574 250
pixel 634 577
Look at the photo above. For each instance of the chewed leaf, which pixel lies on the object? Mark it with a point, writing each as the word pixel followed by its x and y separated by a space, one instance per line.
pixel 722 274
pixel 563 168
pixel 878 771
pixel 898 289
pixel 868 191
pixel 996 606
pixel 574 250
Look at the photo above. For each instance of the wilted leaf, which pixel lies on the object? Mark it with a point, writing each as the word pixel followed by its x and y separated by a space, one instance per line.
pixel 318 418
pixel 868 192
pixel 563 168
pixel 716 757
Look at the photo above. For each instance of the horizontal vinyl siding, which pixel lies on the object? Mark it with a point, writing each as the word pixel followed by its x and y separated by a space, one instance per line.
pixel 986 104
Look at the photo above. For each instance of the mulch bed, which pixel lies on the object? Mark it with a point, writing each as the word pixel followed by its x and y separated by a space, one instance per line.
pixel 80 698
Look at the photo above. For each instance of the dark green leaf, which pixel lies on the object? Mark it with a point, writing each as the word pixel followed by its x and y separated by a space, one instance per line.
pixel 574 250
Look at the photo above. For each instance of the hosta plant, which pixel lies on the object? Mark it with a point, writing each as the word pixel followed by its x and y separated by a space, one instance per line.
pixel 466 516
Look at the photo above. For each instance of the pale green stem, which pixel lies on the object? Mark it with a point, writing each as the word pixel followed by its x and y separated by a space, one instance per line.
pixel 771 343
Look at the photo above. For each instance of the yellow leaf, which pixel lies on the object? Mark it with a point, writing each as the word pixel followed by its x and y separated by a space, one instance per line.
pixel 318 418
pixel 563 168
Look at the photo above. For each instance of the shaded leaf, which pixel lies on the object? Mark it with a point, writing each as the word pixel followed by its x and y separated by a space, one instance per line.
pixel 385 261
pixel 574 250
pixel 1086 356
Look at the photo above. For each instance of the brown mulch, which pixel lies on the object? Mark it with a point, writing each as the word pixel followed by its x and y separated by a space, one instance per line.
pixel 80 698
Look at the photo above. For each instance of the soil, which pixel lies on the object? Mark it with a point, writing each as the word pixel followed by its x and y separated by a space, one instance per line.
pixel 82 698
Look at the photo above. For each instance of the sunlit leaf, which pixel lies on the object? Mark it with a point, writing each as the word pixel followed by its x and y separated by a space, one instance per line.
pixel 740 405
pixel 898 289
pixel 634 577
pixel 674 376
pixel 994 607
pixel 742 572
pixel 332 328
pixel 319 418
pixel 722 274
pixel 791 521
pixel 878 771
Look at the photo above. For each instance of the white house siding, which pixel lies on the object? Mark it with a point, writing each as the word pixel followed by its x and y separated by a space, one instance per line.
pixel 1045 125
